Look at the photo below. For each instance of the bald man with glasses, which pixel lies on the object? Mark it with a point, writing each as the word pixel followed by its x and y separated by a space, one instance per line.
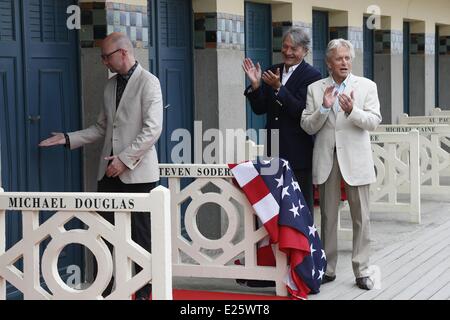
pixel 130 123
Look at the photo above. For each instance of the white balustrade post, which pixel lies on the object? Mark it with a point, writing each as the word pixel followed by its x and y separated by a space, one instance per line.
pixel 2 249
pixel 281 260
pixel 414 176
pixel 174 187
pixel 161 244
pixel 123 265
pixel 30 222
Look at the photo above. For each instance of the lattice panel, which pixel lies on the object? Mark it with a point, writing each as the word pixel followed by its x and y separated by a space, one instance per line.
pixel 190 252
pixel 392 173
pixel 119 235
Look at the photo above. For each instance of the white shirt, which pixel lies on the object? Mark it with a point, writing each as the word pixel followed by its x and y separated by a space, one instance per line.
pixel 288 74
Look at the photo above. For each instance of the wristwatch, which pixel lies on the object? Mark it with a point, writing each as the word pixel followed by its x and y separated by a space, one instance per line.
pixel 66 136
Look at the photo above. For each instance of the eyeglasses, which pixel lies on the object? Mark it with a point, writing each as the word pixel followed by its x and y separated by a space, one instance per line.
pixel 106 56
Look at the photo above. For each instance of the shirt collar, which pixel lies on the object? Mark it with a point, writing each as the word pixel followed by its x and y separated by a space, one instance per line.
pixel 344 83
pixel 292 68
pixel 130 72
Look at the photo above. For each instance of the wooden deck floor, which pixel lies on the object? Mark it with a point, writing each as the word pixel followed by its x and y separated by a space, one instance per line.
pixel 414 261
pixel 414 268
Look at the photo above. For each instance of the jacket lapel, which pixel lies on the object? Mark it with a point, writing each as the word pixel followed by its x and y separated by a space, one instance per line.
pixel 131 82
pixel 353 83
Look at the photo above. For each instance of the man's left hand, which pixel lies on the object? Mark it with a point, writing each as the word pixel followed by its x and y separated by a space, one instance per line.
pixel 272 79
pixel 346 102
pixel 116 167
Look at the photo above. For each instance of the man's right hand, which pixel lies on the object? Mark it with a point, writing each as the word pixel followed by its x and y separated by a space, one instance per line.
pixel 57 139
pixel 253 72
pixel 329 97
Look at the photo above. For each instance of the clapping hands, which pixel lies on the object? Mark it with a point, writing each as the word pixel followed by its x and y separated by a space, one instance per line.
pixel 345 102
pixel 253 72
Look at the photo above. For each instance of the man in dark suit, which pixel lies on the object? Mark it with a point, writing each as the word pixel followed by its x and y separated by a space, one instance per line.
pixel 282 97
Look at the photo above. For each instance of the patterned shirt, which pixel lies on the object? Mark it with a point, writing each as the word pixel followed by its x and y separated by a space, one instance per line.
pixel 122 81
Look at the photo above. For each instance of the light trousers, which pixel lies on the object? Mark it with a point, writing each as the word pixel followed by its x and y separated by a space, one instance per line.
pixel 358 199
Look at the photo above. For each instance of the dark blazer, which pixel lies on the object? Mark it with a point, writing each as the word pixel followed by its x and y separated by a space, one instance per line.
pixel 284 112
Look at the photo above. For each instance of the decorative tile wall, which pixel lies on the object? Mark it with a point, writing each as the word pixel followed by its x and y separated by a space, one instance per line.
pixel 356 37
pixel 219 31
pixel 430 44
pixel 338 32
pixel 396 42
pixel 444 45
pixel 99 19
pixel 417 43
pixel 382 41
pixel 279 28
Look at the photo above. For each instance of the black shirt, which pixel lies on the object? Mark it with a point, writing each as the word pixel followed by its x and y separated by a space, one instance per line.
pixel 122 81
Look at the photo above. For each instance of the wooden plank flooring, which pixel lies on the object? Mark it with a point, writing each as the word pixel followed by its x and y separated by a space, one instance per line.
pixel 415 268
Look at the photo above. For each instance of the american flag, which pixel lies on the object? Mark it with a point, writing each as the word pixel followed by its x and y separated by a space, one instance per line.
pixel 278 202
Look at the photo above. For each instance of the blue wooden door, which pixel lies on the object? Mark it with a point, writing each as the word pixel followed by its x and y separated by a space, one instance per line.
pixel 12 114
pixel 406 63
pixel 39 61
pixel 172 60
pixel 368 35
pixel 258 47
pixel 11 98
pixel 320 41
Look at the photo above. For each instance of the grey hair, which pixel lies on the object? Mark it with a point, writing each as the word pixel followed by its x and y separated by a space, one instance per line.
pixel 299 37
pixel 340 43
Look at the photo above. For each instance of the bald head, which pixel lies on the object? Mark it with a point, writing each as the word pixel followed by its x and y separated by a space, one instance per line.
pixel 120 41
pixel 118 53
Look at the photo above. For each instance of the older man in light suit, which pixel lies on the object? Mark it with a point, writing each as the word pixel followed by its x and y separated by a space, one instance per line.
pixel 340 111
pixel 130 123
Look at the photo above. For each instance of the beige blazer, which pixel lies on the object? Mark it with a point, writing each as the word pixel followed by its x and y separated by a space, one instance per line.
pixel 348 133
pixel 132 131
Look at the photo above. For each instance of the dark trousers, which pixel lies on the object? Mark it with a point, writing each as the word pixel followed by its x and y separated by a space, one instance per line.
pixel 304 178
pixel 140 221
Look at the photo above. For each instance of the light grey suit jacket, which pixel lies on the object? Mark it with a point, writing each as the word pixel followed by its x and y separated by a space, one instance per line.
pixel 348 133
pixel 132 130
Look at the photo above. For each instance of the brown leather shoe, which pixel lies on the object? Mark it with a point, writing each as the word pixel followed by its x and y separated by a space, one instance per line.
pixel 364 283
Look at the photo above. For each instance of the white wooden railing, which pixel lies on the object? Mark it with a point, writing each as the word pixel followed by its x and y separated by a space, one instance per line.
pixel 195 255
pixel 434 143
pixel 430 120
pixel 156 266
pixel 440 112
pixel 395 174
pixel 439 118
pixel 395 177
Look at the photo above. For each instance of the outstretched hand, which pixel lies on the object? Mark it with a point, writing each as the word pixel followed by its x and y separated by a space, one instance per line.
pixel 253 72
pixel 57 139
